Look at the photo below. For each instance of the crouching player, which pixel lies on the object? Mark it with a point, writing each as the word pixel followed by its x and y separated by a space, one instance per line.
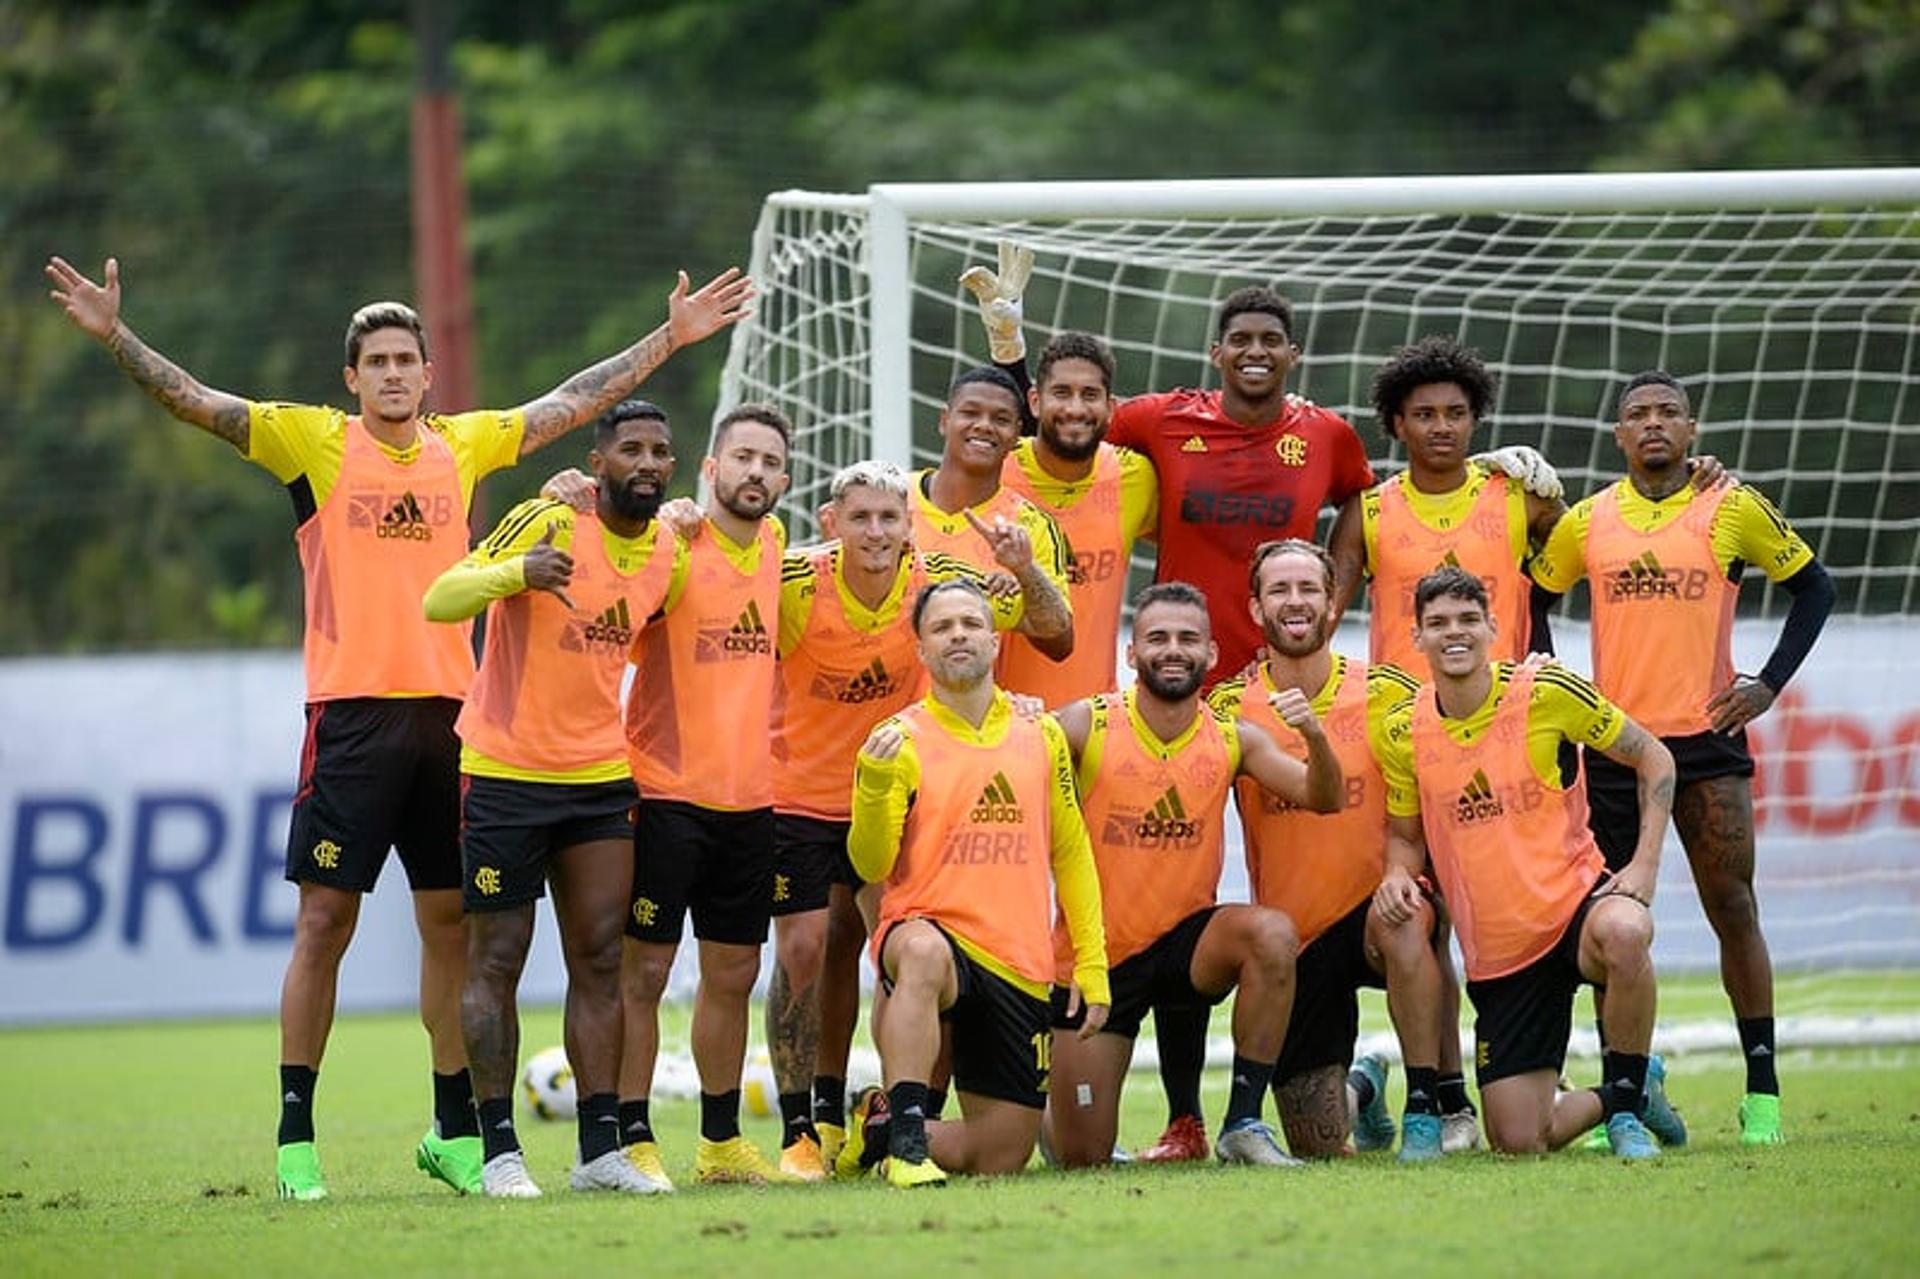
pixel 1155 769
pixel 546 791
pixel 1482 774
pixel 967 812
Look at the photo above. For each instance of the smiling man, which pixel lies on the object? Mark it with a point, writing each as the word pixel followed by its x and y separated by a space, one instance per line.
pixel 546 789
pixel 380 500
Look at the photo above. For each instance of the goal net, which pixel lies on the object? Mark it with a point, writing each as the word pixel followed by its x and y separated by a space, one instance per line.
pixel 1787 302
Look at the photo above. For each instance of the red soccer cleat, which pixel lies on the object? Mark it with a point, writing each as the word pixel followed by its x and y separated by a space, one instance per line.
pixel 1184 1140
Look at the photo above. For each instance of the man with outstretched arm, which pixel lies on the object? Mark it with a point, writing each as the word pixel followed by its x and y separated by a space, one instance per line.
pixel 380 501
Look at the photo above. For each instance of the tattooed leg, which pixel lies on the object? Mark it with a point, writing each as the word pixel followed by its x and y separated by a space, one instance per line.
pixel 1715 821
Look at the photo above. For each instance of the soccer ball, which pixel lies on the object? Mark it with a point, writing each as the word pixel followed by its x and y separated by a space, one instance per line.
pixel 758 1091
pixel 547 1084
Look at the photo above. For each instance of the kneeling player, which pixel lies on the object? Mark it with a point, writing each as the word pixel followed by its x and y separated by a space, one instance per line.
pixel 1321 870
pixel 1155 767
pixel 967 812
pixel 546 788
pixel 1482 774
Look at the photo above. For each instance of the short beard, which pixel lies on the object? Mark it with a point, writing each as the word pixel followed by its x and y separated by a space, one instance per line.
pixel 1172 692
pixel 1280 642
pixel 1072 452
pixel 730 502
pixel 631 504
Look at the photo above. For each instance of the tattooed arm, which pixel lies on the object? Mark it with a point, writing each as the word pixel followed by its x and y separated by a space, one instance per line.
pixel 691 316
pixel 95 310
pixel 1652 763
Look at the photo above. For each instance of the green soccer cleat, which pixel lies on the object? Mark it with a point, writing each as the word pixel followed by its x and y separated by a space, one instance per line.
pixel 453 1160
pixel 1629 1138
pixel 1595 1141
pixel 1760 1120
pixel 1373 1126
pixel 1661 1119
pixel 298 1172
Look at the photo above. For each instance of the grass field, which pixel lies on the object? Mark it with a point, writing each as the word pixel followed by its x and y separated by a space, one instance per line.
pixel 148 1149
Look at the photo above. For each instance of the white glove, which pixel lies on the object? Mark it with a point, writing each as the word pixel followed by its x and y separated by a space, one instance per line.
pixel 999 297
pixel 1535 473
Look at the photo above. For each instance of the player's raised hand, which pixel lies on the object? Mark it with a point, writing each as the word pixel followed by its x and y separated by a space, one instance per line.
pixel 1739 704
pixel 999 294
pixel 716 304
pixel 1295 710
pixel 1012 547
pixel 682 517
pixel 93 308
pixel 548 568
pixel 1535 473
pixel 572 486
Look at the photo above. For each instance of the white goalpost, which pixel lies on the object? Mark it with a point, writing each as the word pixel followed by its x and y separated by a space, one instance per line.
pixel 1787 301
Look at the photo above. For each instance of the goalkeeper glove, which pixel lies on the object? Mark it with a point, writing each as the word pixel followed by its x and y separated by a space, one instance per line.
pixel 1535 473
pixel 999 296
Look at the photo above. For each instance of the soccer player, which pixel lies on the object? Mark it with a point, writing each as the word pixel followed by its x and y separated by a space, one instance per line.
pixel 1663 561
pixel 1447 507
pixel 1155 768
pixel 546 788
pixel 698 713
pixel 961 508
pixel 1103 498
pixel 1322 872
pixel 848 659
pixel 380 498
pixel 1482 775
pixel 967 812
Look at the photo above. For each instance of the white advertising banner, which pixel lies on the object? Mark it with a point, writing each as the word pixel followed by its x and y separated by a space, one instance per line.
pixel 144 800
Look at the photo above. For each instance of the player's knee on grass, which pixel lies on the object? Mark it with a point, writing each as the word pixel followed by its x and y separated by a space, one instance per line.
pixel 1314 1112
pixel 1518 1114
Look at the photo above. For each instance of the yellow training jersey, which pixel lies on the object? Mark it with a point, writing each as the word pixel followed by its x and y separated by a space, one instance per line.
pixel 303 445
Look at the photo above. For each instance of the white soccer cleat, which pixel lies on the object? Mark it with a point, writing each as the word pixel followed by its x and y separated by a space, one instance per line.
pixel 1251 1142
pixel 1459 1132
pixel 505 1177
pixel 614 1171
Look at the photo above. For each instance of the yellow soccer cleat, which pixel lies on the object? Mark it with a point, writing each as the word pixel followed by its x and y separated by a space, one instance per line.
pixel 832 1138
pixel 912 1174
pixel 865 1143
pixel 735 1162
pixel 804 1160
pixel 645 1158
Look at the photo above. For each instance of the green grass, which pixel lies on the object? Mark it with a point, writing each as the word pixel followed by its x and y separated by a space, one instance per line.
pixel 148 1149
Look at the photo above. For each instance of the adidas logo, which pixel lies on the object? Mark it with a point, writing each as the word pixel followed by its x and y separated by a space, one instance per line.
pixel 870 684
pixel 1477 801
pixel 747 637
pixel 1449 560
pixel 1645 578
pixel 1167 819
pixel 1194 444
pixel 1760 1050
pixel 405 519
pixel 997 803
pixel 613 627
pixel 291 1099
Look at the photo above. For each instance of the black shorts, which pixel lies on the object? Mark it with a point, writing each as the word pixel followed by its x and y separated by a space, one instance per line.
pixel 1521 1021
pixel 1327 979
pixel 715 863
pixel 809 858
pixel 377 773
pixel 1160 974
pixel 1001 1045
pixel 510 829
pixel 1613 790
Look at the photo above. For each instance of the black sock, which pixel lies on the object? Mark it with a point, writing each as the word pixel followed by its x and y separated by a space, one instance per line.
pixel 296 1103
pixel 1756 1043
pixel 1362 1088
pixel 1423 1091
pixel 1248 1089
pixel 936 1101
pixel 453 1105
pixel 907 1102
pixel 635 1127
pixel 720 1115
pixel 1453 1094
pixel 1623 1083
pixel 1181 1033
pixel 796 1116
pixel 496 1126
pixel 599 1125
pixel 830 1100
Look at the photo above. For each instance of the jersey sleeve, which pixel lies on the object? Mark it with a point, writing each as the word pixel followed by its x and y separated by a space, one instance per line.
pixel 1761 535
pixel 1226 697
pixel 882 792
pixel 1139 495
pixel 1007 609
pixel 291 440
pixel 1390 737
pixel 483 442
pixel 495 568
pixel 1388 687
pixel 798 586
pixel 1075 877
pixel 1563 560
pixel 1131 426
pixel 1571 704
